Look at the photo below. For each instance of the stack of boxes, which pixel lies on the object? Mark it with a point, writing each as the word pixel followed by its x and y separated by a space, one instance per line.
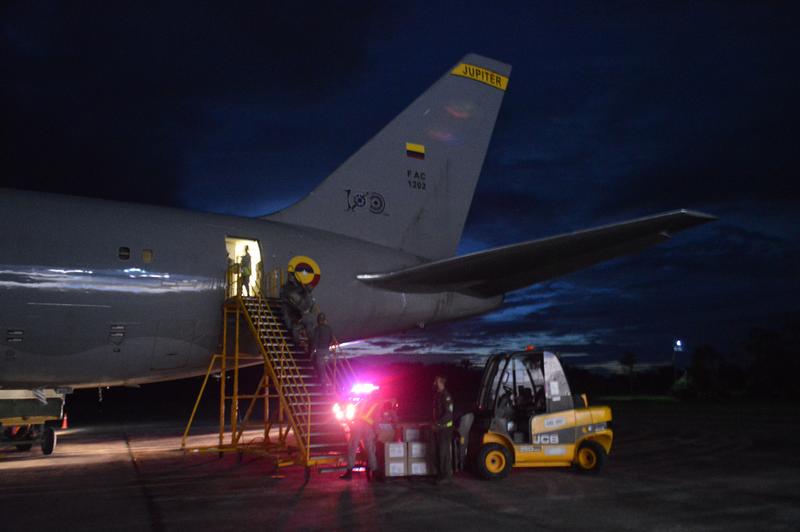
pixel 395 456
pixel 418 462
pixel 410 457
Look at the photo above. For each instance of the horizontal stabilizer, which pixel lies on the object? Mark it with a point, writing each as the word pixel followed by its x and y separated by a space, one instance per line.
pixel 500 270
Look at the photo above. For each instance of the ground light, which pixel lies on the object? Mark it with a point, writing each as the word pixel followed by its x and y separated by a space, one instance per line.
pixel 363 388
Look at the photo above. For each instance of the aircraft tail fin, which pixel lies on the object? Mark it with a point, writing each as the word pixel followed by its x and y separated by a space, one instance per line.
pixel 410 187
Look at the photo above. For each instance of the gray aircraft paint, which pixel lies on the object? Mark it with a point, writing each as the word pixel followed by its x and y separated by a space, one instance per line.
pixel 73 314
pixel 64 286
pixel 423 216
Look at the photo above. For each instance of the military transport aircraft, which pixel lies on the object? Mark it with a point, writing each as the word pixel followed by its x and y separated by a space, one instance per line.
pixel 100 293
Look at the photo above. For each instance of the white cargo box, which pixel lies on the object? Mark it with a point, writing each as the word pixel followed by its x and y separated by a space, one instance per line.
pixel 396 469
pixel 394 450
pixel 417 449
pixel 411 434
pixel 419 467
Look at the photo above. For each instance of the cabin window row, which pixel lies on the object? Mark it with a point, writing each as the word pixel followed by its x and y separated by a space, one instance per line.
pixel 124 253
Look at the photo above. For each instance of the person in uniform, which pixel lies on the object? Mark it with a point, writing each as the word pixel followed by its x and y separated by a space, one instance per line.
pixel 291 295
pixel 443 429
pixel 321 341
pixel 362 429
pixel 245 269
pixel 306 306
pixel 298 310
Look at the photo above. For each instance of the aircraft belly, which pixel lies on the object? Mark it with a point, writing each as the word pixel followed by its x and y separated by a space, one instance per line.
pixel 80 337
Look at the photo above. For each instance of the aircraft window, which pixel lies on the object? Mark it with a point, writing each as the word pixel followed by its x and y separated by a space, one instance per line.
pixel 147 255
pixel 124 253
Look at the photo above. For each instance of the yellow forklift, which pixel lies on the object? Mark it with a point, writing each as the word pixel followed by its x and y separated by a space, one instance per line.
pixel 527 417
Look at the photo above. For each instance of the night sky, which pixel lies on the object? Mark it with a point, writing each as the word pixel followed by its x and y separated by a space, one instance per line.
pixel 615 110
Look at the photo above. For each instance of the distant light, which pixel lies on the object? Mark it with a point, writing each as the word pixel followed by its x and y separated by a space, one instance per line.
pixel 363 388
pixel 529 348
pixel 350 411
pixel 678 343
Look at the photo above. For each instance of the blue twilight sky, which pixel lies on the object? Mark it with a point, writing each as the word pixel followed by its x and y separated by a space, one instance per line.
pixel 614 110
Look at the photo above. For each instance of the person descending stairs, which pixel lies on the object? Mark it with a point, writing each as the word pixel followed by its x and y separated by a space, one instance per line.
pixel 302 384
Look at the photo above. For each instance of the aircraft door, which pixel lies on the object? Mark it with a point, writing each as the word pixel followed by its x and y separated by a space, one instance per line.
pixel 244 268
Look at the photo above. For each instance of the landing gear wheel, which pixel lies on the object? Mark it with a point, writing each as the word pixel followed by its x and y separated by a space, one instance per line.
pixel 494 461
pixel 591 457
pixel 48 440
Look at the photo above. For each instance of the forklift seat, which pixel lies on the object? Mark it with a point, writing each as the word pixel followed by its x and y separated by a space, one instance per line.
pixel 524 397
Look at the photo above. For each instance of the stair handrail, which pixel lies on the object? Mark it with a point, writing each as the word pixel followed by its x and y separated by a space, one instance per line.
pixel 341 369
pixel 289 374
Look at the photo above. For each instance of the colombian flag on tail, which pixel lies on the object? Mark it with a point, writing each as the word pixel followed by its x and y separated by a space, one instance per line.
pixel 417 151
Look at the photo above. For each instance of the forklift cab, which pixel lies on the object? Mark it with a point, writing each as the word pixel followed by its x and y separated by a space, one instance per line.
pixel 527 417
pixel 518 387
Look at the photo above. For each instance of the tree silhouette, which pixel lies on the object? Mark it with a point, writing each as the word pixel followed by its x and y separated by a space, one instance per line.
pixel 705 370
pixel 774 361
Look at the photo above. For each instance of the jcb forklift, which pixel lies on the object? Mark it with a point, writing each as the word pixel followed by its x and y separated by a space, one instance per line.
pixel 527 417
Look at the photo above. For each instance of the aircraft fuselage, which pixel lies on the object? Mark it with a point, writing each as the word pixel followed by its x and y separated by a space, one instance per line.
pixel 74 312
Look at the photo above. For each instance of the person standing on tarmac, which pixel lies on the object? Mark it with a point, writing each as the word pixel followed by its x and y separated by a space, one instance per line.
pixel 443 430
pixel 362 429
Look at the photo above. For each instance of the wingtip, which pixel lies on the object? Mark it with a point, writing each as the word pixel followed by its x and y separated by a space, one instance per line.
pixel 702 216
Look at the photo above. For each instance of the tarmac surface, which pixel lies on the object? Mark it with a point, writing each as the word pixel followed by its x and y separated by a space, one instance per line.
pixel 675 466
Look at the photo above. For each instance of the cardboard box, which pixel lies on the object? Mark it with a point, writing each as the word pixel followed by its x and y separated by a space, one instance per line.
pixel 417 450
pixel 415 431
pixel 394 451
pixel 411 434
pixel 419 466
pixel 396 468
pixel 384 432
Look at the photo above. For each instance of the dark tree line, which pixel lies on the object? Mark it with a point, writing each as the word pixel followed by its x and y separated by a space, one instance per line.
pixel 766 365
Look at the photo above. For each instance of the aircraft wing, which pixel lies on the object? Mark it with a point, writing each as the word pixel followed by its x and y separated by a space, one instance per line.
pixel 500 270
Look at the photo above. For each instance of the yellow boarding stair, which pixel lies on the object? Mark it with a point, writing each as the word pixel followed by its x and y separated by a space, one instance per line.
pixel 307 433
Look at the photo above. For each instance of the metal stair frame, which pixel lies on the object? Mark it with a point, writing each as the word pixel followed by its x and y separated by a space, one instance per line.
pixel 281 375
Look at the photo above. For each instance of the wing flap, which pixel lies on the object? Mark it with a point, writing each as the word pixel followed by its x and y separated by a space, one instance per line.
pixel 500 270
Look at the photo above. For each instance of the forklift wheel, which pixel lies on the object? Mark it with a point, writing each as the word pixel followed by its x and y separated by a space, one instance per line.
pixel 591 457
pixel 48 440
pixel 494 461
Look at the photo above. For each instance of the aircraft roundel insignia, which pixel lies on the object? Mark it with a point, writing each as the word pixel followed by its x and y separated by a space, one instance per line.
pixel 305 269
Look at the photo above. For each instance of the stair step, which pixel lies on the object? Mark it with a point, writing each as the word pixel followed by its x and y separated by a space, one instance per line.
pixel 328 413
pixel 328 445
pixel 304 404
pixel 319 436
pixel 301 387
pixel 331 438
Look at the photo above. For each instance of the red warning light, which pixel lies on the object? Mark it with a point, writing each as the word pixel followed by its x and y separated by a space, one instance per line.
pixel 530 348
